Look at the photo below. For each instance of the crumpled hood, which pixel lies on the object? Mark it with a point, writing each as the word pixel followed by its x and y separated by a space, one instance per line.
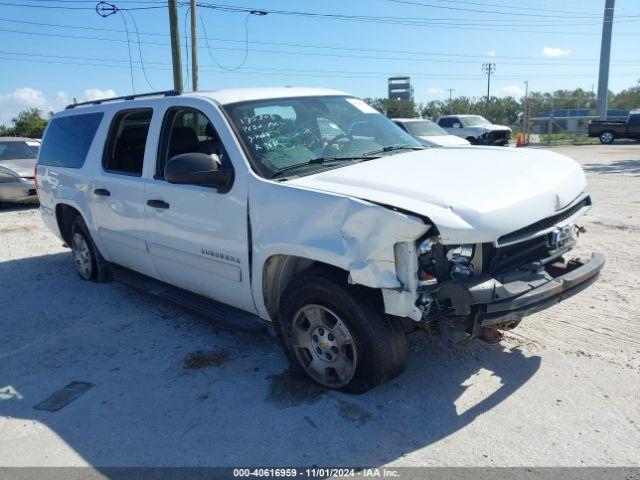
pixel 473 194
pixel 23 167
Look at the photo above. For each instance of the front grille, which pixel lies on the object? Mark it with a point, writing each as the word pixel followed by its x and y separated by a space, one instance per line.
pixel 511 257
pixel 543 224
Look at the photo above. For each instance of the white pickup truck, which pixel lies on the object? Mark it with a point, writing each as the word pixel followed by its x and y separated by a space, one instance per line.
pixel 310 212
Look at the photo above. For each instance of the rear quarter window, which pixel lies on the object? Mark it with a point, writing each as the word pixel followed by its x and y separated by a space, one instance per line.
pixel 67 140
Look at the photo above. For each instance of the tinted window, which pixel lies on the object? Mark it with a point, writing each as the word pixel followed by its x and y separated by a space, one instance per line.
pixel 446 122
pixel 67 140
pixel 16 150
pixel 187 130
pixel 127 142
pixel 634 120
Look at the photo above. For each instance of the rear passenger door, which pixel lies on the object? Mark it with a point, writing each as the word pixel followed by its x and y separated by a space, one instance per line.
pixel 118 192
pixel 197 235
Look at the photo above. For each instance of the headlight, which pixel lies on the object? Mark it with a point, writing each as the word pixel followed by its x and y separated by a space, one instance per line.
pixel 8 178
pixel 460 266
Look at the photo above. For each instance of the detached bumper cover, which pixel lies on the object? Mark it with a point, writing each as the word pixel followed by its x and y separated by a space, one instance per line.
pixel 546 295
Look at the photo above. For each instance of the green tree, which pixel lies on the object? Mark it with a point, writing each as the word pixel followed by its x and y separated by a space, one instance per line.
pixel 394 108
pixel 627 98
pixel 29 123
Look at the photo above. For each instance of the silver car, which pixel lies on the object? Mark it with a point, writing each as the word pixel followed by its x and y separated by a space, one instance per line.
pixel 18 158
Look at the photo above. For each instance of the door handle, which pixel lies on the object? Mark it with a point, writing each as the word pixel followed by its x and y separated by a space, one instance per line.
pixel 102 192
pixel 158 204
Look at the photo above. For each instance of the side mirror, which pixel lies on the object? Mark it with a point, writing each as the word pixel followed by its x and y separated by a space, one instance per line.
pixel 198 169
pixel 457 125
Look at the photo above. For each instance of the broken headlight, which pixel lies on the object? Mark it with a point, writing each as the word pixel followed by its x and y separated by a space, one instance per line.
pixel 440 263
pixel 459 257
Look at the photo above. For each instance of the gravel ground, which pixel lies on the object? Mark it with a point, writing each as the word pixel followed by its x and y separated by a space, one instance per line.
pixel 561 390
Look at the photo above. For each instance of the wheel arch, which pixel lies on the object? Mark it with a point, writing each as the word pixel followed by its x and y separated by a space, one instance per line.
pixel 278 271
pixel 65 215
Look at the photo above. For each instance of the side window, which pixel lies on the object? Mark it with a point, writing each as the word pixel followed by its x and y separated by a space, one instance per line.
pixel 187 130
pixel 67 140
pixel 634 120
pixel 446 122
pixel 124 152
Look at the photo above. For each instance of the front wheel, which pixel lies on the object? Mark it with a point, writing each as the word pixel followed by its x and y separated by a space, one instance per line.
pixel 606 138
pixel 335 333
pixel 472 140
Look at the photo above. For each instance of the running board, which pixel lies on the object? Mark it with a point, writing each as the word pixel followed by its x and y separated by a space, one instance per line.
pixel 224 315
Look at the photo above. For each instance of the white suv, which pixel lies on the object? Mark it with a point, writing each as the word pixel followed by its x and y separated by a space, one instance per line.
pixel 308 211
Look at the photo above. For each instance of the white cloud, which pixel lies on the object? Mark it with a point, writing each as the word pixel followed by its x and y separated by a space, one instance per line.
pixel 14 102
pixel 512 90
pixel 492 53
pixel 97 94
pixel 555 52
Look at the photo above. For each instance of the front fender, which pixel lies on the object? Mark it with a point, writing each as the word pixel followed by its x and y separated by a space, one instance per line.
pixel 351 234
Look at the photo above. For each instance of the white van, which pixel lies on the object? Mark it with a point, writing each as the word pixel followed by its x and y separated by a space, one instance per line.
pixel 309 212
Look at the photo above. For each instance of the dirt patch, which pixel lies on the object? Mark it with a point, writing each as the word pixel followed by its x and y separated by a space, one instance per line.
pixel 291 389
pixel 206 358
pixel 354 413
pixel 22 228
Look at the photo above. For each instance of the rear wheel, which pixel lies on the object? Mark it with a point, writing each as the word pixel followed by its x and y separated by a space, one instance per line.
pixel 335 334
pixel 89 263
pixel 607 137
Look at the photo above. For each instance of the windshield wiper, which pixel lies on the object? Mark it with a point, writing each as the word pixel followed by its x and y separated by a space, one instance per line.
pixel 391 148
pixel 366 156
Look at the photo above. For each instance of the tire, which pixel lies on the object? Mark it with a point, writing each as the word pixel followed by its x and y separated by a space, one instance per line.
pixel 334 333
pixel 472 140
pixel 90 265
pixel 607 138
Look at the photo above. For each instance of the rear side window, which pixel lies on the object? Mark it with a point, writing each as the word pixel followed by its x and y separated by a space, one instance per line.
pixel 68 139
pixel 446 122
pixel 124 152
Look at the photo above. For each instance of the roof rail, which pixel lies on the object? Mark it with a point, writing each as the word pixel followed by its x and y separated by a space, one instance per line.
pixel 166 93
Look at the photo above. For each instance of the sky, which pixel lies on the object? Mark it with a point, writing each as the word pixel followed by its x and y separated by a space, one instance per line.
pixel 55 50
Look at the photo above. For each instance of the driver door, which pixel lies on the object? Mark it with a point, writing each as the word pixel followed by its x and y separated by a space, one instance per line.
pixel 197 235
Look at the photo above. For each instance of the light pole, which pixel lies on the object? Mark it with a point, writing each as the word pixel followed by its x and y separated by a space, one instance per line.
pixel 526 111
pixel 605 55
pixel 488 68
pixel 450 90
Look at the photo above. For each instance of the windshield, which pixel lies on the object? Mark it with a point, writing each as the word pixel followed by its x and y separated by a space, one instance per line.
pixel 424 128
pixel 474 120
pixel 17 149
pixel 284 132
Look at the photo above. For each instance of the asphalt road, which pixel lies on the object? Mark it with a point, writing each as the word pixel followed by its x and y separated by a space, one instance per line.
pixel 562 390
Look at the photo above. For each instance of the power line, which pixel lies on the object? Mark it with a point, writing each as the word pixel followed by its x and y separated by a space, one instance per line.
pixel 306 45
pixel 540 62
pixel 163 66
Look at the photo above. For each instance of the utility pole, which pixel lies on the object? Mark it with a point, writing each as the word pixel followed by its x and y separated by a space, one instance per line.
pixel 488 68
pixel 175 45
pixel 524 116
pixel 194 48
pixel 605 55
pixel 450 90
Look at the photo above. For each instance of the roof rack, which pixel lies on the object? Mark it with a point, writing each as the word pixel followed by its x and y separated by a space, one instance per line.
pixel 166 93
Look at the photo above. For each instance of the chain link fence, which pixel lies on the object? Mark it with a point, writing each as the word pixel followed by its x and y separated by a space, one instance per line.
pixel 557 121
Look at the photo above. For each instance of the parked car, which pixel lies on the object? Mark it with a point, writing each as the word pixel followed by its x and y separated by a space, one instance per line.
pixel 234 203
pixel 607 131
pixel 476 129
pixel 17 165
pixel 428 133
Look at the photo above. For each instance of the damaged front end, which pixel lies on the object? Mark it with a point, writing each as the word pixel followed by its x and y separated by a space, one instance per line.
pixel 478 289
